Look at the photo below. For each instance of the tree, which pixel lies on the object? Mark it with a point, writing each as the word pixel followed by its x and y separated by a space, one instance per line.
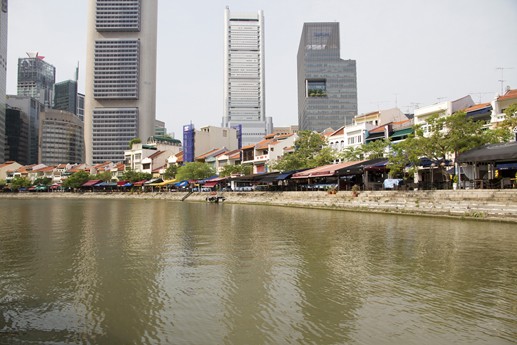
pixel 42 181
pixel 2 183
pixel 195 171
pixel 20 182
pixel 170 172
pixel 76 180
pixel 310 151
pixel 374 149
pixel 229 170
pixel 134 141
pixel 134 176
pixel 103 176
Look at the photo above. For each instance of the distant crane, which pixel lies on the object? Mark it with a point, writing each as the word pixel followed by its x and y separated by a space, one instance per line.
pixel 502 77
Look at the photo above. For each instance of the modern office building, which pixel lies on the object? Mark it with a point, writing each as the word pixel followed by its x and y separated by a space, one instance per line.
pixel 327 85
pixel 36 78
pixel 61 138
pixel 3 76
pixel 244 88
pixel 17 136
pixel 32 109
pixel 80 106
pixel 120 91
pixel 65 96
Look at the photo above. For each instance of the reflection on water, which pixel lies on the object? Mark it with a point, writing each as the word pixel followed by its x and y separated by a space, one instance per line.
pixel 163 272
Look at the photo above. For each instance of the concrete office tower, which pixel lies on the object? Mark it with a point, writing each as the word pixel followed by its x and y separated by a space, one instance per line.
pixel 36 78
pixel 120 102
pixel 3 74
pixel 61 138
pixel 244 89
pixel 327 85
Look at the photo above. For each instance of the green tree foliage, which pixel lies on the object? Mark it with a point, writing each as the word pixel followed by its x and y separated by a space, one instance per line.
pixel 505 131
pixel 195 171
pixel 42 181
pixel 103 176
pixel 134 176
pixel 374 149
pixel 134 141
pixel 20 182
pixel 229 170
pixel 2 183
pixel 170 172
pixel 448 135
pixel 310 151
pixel 76 180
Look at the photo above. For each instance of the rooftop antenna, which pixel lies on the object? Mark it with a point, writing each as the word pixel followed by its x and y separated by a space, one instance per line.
pixel 502 77
pixel 480 94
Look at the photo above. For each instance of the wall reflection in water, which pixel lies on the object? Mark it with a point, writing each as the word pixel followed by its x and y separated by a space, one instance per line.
pixel 154 271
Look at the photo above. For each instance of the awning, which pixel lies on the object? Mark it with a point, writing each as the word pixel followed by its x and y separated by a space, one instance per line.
pixel 106 184
pixel 210 184
pixel 183 183
pixel 122 183
pixel 91 183
pixel 491 153
pixel 506 166
pixel 357 169
pixel 379 166
pixel 152 181
pixel 139 183
pixel 401 133
pixel 161 184
pixel 324 171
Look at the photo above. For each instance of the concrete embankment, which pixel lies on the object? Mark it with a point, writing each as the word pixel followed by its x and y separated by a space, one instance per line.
pixel 493 205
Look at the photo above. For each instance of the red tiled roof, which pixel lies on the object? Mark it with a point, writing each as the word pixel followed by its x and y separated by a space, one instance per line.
pixel 477 107
pixel 44 169
pixel 340 131
pixel 252 146
pixel 263 144
pixel 510 94
pixel 3 165
pixel 156 154
pixel 209 153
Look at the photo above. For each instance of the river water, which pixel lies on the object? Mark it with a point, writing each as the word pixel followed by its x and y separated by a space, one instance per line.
pixel 165 272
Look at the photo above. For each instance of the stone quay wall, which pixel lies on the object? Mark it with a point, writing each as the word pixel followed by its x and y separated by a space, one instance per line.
pixel 492 205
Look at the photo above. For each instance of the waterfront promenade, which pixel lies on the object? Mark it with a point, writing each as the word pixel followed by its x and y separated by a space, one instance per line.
pixel 492 205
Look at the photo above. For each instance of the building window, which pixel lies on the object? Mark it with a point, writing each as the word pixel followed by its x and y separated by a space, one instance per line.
pixel 316 88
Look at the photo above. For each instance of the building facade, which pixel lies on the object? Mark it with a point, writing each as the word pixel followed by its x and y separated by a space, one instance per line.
pixel 31 108
pixel 17 136
pixel 244 75
pixel 327 85
pixel 3 76
pixel 120 92
pixel 65 96
pixel 36 78
pixel 61 138
pixel 197 142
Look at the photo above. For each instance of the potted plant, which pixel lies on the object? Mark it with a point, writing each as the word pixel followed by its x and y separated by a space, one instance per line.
pixel 455 182
pixel 332 190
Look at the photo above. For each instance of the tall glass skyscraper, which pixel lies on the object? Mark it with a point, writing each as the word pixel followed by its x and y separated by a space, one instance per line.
pixel 244 81
pixel 36 78
pixel 65 96
pixel 120 90
pixel 3 75
pixel 327 85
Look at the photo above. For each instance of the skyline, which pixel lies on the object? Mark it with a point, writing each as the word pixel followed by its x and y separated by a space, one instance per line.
pixel 407 52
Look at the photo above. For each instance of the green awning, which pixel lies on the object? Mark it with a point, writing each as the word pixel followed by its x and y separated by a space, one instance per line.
pixel 402 133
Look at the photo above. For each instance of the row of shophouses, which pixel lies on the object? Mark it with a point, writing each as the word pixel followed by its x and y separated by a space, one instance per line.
pixel 155 157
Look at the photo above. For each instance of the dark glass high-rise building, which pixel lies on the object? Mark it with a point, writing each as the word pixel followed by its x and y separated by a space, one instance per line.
pixel 65 96
pixel 327 85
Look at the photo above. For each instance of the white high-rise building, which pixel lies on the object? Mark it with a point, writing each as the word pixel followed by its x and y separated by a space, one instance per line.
pixel 244 89
pixel 120 92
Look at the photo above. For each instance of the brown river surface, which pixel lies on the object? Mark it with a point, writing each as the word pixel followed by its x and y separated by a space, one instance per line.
pixel 87 271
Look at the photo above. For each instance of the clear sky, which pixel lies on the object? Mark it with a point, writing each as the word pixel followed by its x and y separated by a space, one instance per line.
pixel 408 52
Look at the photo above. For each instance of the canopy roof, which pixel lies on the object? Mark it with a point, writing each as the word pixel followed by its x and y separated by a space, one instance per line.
pixel 491 153
pixel 91 183
pixel 323 171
